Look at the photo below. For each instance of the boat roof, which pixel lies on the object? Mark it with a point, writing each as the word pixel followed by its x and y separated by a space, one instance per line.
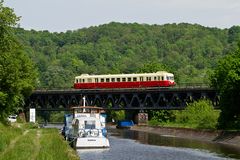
pixel 87 118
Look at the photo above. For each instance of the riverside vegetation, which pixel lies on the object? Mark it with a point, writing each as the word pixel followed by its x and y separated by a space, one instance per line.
pixel 199 114
pixel 25 141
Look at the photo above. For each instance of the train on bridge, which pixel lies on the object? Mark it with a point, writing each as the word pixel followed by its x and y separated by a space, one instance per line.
pixel 140 80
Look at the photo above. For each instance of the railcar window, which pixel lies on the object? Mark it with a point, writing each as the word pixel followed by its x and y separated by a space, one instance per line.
pixel 83 80
pixel 129 79
pixel 155 78
pixel 162 78
pixel 118 79
pixel 76 81
pixel 141 78
pixel 89 80
pixel 134 79
pixel 96 80
pixel 113 79
pixel 158 78
pixel 123 79
pixel 107 80
pixel 148 78
pixel 102 79
pixel 171 78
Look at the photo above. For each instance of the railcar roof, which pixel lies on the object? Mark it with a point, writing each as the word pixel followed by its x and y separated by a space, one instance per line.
pixel 124 75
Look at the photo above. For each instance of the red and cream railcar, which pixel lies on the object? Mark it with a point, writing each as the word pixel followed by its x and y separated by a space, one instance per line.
pixel 141 80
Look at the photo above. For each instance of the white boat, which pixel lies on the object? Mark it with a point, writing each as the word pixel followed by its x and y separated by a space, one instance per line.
pixel 88 128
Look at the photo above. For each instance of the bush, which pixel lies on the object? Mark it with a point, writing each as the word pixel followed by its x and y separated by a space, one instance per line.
pixel 153 122
pixel 162 115
pixel 199 114
pixel 119 115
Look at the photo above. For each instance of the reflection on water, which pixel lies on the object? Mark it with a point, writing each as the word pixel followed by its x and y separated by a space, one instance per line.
pixel 125 145
pixel 153 139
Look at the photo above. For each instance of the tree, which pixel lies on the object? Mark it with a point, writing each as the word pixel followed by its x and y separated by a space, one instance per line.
pixel 199 114
pixel 226 79
pixel 17 73
pixel 153 67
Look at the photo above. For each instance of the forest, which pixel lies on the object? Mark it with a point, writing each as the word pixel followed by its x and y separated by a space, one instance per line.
pixel 190 51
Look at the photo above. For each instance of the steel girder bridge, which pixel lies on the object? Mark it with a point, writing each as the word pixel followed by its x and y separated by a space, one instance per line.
pixel 117 99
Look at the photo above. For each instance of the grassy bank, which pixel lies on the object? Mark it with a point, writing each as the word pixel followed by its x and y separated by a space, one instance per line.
pixel 26 142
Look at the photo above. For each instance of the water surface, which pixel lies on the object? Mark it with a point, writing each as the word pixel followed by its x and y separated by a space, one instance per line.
pixel 134 145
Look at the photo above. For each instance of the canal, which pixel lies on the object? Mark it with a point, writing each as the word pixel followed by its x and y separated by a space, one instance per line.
pixel 135 145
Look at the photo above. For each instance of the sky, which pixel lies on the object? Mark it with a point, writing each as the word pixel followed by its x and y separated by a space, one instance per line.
pixel 63 15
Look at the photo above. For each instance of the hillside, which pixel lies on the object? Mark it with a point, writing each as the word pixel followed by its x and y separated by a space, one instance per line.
pixel 189 51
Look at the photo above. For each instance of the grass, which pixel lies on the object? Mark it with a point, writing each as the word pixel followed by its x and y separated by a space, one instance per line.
pixel 7 133
pixel 60 148
pixel 26 142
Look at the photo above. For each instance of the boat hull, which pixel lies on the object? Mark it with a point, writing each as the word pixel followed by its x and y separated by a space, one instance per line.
pixel 92 142
pixel 125 124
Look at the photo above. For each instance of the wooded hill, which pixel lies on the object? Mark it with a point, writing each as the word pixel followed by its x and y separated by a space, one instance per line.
pixel 190 51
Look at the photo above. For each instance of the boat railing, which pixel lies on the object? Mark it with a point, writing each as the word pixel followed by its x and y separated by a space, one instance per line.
pixel 89 132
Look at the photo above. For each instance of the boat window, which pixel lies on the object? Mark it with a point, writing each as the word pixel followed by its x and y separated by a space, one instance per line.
pixel 118 79
pixel 79 110
pixel 87 110
pixel 89 124
pixel 113 79
pixel 107 80
pixel 134 79
pixel 123 79
pixel 102 79
pixel 96 80
pixel 141 78
pixel 129 79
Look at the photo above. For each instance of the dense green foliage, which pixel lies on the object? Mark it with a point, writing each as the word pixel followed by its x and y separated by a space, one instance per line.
pixel 199 114
pixel 189 51
pixel 17 74
pixel 226 79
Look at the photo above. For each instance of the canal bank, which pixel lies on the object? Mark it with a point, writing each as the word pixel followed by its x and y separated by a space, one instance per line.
pixel 225 137
pixel 25 141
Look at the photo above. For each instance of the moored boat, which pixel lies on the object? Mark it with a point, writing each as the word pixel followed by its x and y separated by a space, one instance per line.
pixel 88 128
pixel 125 124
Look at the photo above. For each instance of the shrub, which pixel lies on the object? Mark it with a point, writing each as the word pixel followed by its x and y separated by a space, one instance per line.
pixel 162 115
pixel 153 122
pixel 199 114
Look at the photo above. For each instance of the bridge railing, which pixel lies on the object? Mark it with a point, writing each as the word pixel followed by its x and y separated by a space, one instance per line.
pixel 178 85
pixel 192 85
